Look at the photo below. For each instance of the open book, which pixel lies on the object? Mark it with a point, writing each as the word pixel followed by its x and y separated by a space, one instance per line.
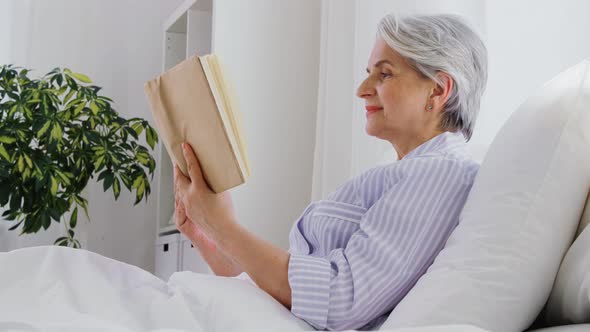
pixel 192 103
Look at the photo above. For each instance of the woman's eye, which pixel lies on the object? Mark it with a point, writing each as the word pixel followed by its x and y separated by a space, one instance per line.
pixel 385 75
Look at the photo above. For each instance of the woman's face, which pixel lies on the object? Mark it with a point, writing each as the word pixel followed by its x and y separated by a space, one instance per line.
pixel 396 97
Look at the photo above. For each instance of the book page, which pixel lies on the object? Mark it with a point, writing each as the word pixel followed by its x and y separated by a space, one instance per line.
pixel 228 109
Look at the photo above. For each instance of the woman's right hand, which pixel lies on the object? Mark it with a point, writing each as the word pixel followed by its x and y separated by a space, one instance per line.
pixel 219 263
pixel 190 229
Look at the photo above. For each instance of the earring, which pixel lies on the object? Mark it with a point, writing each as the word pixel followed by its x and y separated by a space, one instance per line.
pixel 430 107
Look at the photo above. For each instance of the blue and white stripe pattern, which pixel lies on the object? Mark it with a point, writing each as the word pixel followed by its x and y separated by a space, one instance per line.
pixel 357 253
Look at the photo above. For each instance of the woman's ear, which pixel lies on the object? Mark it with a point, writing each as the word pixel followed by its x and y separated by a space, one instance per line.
pixel 441 92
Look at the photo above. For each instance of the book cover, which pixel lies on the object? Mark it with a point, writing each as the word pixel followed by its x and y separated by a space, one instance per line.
pixel 190 103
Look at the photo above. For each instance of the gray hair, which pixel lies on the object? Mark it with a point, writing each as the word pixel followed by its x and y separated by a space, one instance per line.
pixel 433 43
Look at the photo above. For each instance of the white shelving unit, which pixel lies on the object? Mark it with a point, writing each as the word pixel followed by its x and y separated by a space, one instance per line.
pixel 187 32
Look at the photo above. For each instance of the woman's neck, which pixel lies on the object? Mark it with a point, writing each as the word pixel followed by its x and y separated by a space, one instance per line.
pixel 404 146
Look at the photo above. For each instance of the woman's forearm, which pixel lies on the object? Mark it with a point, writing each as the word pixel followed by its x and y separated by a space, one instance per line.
pixel 213 212
pixel 266 264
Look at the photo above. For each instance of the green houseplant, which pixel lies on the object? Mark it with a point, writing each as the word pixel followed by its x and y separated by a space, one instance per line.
pixel 56 133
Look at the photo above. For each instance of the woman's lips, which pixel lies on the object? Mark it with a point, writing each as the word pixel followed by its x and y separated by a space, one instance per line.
pixel 372 109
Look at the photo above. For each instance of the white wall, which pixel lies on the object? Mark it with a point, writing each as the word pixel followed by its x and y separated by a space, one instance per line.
pixel 334 127
pixel 271 48
pixel 529 42
pixel 5 32
pixel 119 45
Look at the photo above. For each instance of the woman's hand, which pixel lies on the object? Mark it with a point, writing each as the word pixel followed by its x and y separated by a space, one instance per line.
pixel 214 215
pixel 190 229
pixel 211 212
pixel 217 260
pixel 219 263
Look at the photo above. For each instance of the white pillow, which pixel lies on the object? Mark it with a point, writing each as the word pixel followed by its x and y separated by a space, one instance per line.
pixel 569 301
pixel 585 218
pixel 567 328
pixel 498 266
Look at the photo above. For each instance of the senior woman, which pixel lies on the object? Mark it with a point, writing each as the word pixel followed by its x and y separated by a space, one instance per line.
pixel 354 255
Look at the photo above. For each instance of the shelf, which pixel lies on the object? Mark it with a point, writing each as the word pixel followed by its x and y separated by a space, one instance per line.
pixel 202 5
pixel 175 20
pixel 167 230
pixel 187 31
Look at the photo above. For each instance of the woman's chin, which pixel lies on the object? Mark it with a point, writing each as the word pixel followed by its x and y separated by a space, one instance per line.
pixel 371 130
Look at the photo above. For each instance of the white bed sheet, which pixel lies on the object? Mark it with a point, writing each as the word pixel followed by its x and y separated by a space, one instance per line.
pixel 62 289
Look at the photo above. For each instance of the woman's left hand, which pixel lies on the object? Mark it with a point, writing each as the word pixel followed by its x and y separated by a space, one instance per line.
pixel 211 211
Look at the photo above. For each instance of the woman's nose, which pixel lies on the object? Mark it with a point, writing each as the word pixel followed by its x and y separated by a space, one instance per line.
pixel 365 90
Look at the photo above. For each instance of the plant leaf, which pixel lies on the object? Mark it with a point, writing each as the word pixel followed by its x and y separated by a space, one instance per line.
pixel 54 213
pixel 54 187
pixel 86 211
pixel 63 177
pixel 74 218
pixel 149 137
pixel 138 128
pixel 140 190
pixel 102 175
pixel 28 161
pixel 108 181
pixel 21 164
pixel 4 153
pixel 116 188
pixel 56 132
pixel 94 108
pixel 98 163
pixel 7 139
pixel 79 108
pixel 137 182
pixel 4 193
pixel 68 96
pixel 61 91
pixel 72 84
pixel 15 225
pixel 81 77
pixel 83 203
pixel 126 180
pixel 60 239
pixel 43 129
pixel 45 222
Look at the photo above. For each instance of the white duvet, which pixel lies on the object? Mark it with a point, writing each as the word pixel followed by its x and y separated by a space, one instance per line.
pixel 61 289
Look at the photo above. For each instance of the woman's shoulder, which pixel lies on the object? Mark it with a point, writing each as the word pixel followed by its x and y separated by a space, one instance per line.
pixel 378 179
pixel 349 191
pixel 456 161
